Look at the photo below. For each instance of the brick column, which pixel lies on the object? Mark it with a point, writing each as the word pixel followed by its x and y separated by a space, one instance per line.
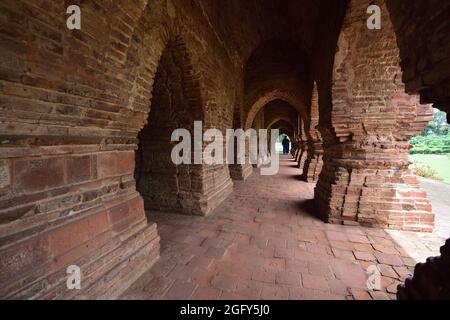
pixel 365 179
pixel 303 153
pixel 369 184
pixel 294 149
pixel 313 161
pixel 240 171
pixel 69 198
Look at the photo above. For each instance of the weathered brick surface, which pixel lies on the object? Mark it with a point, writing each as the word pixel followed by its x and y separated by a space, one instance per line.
pixel 313 162
pixel 365 173
pixel 75 106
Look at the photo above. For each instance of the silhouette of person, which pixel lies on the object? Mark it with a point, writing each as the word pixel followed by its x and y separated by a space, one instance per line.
pixel 286 144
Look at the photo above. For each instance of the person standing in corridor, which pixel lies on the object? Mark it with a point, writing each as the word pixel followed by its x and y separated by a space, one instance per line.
pixel 286 144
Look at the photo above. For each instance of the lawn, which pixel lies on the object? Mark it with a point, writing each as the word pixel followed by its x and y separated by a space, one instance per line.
pixel 440 163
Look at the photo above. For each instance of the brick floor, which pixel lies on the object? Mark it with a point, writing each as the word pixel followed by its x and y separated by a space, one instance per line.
pixel 263 243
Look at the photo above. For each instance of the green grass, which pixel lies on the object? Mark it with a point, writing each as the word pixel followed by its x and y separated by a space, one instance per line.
pixel 440 163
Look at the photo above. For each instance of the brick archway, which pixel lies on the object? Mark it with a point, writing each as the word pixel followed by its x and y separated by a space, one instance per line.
pixel 285 127
pixel 269 97
pixel 200 93
pixel 282 119
pixel 176 103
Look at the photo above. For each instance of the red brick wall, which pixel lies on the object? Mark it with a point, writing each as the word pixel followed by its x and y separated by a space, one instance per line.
pixel 73 103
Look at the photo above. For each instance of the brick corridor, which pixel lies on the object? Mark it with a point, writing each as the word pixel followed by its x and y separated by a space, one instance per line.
pixel 263 242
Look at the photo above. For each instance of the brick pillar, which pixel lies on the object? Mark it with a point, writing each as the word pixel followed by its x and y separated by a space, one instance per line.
pixel 313 161
pixel 303 153
pixel 240 171
pixel 365 179
pixel 69 198
pixel 298 150
pixel 294 149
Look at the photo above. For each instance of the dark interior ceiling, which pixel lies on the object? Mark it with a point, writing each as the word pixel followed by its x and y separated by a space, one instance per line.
pixel 244 24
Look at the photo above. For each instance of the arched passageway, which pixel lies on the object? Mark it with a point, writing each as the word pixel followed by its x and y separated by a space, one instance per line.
pixel 277 72
pixel 277 114
pixel 176 103
pixel 86 117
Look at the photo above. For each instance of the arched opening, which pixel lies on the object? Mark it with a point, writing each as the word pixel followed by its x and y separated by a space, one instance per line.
pixel 430 161
pixel 176 104
pixel 276 78
pixel 286 131
pixel 278 69
pixel 277 114
pixel 430 152
pixel 284 135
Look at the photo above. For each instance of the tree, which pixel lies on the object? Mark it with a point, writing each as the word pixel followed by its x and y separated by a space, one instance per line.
pixel 438 126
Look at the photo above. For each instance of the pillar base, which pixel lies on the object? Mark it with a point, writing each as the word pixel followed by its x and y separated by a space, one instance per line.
pixel 382 198
pixel 112 245
pixel 240 172
pixel 216 186
pixel 211 200
pixel 312 168
pixel 302 156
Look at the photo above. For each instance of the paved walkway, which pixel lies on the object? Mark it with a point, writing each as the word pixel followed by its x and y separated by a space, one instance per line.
pixel 439 194
pixel 264 242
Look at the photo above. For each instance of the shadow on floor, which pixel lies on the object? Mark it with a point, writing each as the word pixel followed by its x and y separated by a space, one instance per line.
pixel 308 207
